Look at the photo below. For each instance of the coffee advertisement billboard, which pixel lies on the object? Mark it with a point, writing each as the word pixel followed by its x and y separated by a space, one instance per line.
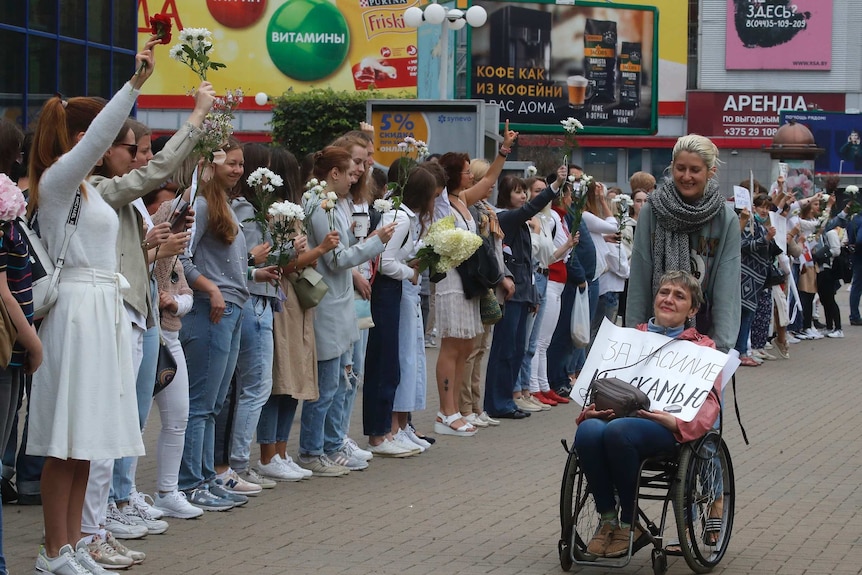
pixel 545 62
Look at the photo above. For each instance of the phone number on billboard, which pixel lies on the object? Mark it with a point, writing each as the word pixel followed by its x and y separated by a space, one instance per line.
pixel 751 132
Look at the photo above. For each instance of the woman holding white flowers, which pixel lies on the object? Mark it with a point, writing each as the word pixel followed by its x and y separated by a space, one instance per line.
pixel 216 269
pixel 395 379
pixel 253 374
pixel 335 320
pixel 458 320
pixel 613 281
pixel 294 369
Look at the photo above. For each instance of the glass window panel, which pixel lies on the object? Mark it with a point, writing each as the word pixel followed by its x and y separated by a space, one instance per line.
pixel 12 78
pixel 99 73
pixel 73 71
pixel 660 159
pixel 73 20
pixel 43 66
pixel 635 161
pixel 99 21
pixel 125 25
pixel 43 15
pixel 123 67
pixel 601 164
pixel 11 13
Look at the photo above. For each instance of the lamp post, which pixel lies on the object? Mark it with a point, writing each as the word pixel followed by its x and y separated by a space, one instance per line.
pixel 447 19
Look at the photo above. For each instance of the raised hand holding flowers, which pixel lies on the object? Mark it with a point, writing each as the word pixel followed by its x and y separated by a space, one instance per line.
pixel 194 51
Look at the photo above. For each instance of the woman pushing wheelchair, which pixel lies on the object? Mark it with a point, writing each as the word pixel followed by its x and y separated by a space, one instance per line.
pixel 610 450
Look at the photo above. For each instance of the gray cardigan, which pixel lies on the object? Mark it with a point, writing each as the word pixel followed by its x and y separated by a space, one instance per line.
pixel 335 327
pixel 244 211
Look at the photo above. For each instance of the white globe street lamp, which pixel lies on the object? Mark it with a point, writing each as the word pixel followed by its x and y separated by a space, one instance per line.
pixel 448 19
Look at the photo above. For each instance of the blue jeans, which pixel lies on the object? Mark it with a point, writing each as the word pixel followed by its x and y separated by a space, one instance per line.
pixel 606 307
pixel 610 453
pixel 9 389
pixel 856 289
pixel 211 354
pixel 316 432
pixel 253 377
pixel 505 358
pixel 123 476
pixel 523 382
pixel 276 418
pixel 27 468
pixel 579 357
pixel 355 377
pixel 383 370
pixel 745 321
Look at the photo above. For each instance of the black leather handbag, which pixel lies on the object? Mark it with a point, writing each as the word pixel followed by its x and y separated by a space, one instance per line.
pixel 166 368
pixel 613 393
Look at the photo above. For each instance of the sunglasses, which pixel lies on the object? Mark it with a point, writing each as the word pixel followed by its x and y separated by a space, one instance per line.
pixel 133 148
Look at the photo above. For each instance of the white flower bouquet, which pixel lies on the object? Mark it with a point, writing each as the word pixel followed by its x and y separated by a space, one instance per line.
pixel 446 247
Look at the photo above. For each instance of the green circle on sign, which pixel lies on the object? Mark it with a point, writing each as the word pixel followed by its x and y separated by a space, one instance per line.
pixel 307 39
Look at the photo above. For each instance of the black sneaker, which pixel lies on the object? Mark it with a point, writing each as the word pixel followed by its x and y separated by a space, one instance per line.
pixel 8 491
pixel 564 390
pixel 856 322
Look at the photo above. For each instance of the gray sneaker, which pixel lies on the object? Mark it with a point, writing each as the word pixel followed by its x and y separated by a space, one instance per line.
pixel 345 458
pixel 321 466
pixel 253 476
pixel 217 488
pixel 201 497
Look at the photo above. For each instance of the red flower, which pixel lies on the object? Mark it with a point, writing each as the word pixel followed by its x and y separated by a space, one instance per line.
pixel 161 27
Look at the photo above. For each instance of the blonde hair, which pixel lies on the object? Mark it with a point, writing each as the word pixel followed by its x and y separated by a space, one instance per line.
pixel 479 167
pixel 700 145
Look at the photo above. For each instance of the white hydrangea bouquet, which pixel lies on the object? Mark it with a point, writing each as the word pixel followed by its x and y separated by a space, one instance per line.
pixel 445 247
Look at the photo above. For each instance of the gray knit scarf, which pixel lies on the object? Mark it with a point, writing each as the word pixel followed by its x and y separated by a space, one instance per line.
pixel 676 220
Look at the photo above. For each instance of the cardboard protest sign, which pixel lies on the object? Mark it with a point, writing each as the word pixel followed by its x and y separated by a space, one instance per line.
pixel 677 378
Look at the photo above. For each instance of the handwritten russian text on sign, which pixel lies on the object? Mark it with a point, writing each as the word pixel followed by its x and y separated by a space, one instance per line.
pixel 677 378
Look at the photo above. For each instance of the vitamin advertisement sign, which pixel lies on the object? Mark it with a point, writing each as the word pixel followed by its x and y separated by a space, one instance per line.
pixel 779 35
pixel 542 63
pixel 272 46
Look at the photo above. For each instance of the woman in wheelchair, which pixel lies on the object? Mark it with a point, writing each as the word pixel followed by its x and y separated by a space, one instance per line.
pixel 610 450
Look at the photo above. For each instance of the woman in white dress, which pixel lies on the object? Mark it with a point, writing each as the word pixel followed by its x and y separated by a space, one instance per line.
pixel 83 404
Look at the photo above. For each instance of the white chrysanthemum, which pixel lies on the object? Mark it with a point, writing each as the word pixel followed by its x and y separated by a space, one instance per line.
pixel 311 183
pixel 531 171
pixel 176 52
pixel 571 125
pixel 410 140
pixel 571 178
pixel 852 189
pixel 332 196
pixel 402 146
pixel 382 206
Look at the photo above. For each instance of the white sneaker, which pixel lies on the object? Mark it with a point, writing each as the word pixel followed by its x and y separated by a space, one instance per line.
pixel 121 526
pixel 88 562
pixel 105 556
pixel 838 333
pixel 277 470
pixel 525 405
pixel 791 339
pixel 141 516
pixel 488 419
pixel 253 476
pixel 388 448
pixel 136 556
pixel 475 421
pixel 235 484
pixel 288 461
pixel 174 504
pixel 358 451
pixel 767 346
pixel 140 499
pixel 411 435
pixel 404 440
pixel 813 333
pixel 64 564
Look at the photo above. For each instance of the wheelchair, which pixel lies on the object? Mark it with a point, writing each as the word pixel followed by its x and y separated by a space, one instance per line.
pixel 691 481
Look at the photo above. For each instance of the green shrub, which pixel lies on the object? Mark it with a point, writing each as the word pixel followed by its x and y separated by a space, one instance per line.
pixel 306 122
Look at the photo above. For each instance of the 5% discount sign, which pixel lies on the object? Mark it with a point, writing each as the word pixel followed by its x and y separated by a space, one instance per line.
pixel 390 129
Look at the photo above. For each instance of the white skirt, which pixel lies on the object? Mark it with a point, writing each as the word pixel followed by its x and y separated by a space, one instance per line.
pixel 457 316
pixel 83 404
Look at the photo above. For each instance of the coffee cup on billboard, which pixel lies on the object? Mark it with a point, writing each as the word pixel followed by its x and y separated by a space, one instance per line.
pixel 579 91
pixel 782 169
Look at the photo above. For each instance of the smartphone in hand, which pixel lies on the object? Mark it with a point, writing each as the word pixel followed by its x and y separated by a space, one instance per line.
pixel 178 220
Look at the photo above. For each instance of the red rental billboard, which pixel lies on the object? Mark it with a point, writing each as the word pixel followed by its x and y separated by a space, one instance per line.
pixel 751 114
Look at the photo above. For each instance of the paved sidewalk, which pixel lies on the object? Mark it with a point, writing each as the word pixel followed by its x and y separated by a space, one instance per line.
pixel 489 504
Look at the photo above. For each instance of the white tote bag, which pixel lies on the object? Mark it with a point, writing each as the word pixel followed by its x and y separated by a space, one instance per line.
pixel 581 318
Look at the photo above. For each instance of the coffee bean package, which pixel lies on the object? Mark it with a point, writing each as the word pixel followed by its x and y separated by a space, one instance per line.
pixel 630 74
pixel 600 58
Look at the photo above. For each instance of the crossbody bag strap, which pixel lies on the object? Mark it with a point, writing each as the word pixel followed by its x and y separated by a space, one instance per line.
pixel 71 226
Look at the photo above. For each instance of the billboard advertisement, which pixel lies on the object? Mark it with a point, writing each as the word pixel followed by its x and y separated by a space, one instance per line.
pixel 272 46
pixel 839 134
pixel 544 62
pixel 751 114
pixel 779 35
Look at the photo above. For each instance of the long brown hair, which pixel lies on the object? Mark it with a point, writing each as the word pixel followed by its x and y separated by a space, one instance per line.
pixel 358 191
pixel 453 164
pixel 220 217
pixel 58 126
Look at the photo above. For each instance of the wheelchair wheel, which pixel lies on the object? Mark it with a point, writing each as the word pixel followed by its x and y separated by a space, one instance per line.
pixel 578 515
pixel 703 501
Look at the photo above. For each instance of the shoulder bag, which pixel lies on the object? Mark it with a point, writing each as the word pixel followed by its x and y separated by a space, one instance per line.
pixel 46 272
pixel 309 287
pixel 481 271
pixel 620 396
pixel 166 366
pixel 8 335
